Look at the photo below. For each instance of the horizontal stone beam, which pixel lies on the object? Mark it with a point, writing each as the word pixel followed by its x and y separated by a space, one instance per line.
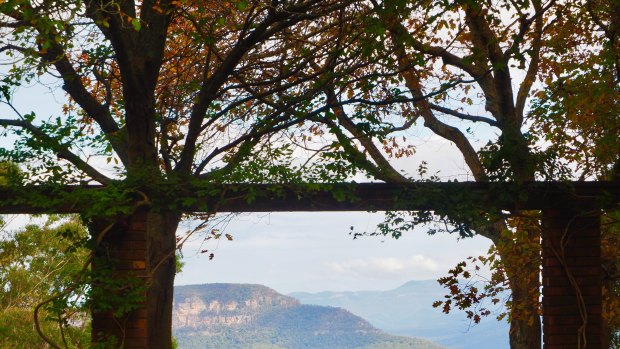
pixel 207 197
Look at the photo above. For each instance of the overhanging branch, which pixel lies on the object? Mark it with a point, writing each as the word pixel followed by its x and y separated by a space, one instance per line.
pixel 61 150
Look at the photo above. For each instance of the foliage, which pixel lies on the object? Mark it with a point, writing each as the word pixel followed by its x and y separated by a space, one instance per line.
pixel 37 263
pixel 550 101
pixel 478 294
pixel 157 94
pixel 475 297
pixel 9 174
pixel 578 108
pixel 169 92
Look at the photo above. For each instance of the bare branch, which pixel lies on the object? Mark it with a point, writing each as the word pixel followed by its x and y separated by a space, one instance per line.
pixel 447 57
pixel 98 112
pixel 450 133
pixel 355 155
pixel 11 47
pixel 15 24
pixel 532 69
pixel 273 125
pixel 463 116
pixel 526 24
pixel 497 88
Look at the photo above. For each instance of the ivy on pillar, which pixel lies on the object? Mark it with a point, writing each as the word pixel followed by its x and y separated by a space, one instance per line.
pixel 118 312
pixel 572 279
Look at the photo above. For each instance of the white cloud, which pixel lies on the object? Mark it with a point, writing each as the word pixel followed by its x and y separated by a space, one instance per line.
pixel 386 267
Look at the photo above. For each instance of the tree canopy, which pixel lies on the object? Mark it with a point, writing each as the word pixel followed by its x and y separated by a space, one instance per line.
pixel 161 93
pixel 37 263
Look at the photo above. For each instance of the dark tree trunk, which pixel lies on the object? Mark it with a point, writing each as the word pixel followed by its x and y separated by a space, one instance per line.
pixel 522 264
pixel 525 331
pixel 139 251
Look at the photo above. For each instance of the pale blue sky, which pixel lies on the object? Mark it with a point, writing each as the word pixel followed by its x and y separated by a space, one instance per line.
pixel 314 252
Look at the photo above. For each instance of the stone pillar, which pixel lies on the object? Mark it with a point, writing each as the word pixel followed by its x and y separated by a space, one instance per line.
pixel 122 254
pixel 572 280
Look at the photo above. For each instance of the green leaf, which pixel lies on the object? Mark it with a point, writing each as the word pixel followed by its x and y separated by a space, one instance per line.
pixel 136 24
pixel 242 5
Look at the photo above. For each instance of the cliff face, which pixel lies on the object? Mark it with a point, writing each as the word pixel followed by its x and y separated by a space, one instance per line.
pixel 231 316
pixel 206 307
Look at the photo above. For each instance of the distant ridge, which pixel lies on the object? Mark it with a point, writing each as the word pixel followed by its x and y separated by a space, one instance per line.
pixel 407 310
pixel 246 316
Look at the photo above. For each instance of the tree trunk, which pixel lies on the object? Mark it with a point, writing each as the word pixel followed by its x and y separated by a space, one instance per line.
pixel 525 330
pixel 134 310
pixel 519 250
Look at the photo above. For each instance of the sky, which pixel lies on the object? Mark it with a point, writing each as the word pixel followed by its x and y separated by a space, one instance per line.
pixel 312 252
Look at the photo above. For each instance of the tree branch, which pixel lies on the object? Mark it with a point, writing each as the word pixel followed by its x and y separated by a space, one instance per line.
pixel 383 169
pixel 73 85
pixel 62 150
pixel 9 47
pixel 354 155
pixel 399 32
pixel 450 133
pixel 532 70
pixel 463 116
pixel 498 88
pixel 274 22
pixel 98 112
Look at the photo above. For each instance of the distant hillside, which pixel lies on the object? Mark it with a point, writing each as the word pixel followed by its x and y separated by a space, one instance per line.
pixel 234 316
pixel 408 311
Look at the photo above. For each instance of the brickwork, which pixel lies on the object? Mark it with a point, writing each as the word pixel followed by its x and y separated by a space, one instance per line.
pixel 572 280
pixel 126 244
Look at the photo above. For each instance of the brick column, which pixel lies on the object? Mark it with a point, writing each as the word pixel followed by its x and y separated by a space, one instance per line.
pixel 125 248
pixel 572 280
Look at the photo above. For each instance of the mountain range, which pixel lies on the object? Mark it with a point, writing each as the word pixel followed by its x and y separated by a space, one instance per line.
pixel 407 311
pixel 242 316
